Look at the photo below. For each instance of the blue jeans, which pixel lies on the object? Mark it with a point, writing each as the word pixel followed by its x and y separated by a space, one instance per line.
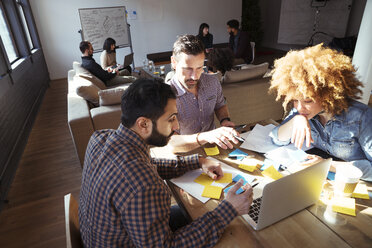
pixel 177 218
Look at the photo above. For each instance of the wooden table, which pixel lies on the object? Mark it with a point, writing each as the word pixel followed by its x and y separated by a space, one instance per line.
pixel 312 227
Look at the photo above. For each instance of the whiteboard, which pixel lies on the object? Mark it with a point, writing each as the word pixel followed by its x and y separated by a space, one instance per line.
pixel 98 24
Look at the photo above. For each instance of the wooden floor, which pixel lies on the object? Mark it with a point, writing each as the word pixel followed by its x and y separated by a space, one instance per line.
pixel 49 169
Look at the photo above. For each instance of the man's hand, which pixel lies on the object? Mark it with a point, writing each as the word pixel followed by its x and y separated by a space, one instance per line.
pixel 301 131
pixel 227 123
pixel 222 136
pixel 243 201
pixel 211 167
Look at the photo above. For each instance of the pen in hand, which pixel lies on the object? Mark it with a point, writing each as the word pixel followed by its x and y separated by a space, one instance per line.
pixel 241 139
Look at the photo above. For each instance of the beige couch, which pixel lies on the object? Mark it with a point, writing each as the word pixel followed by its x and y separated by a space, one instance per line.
pixel 248 102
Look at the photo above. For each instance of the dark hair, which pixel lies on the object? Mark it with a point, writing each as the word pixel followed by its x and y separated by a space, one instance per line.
pixel 221 59
pixel 233 24
pixel 188 44
pixel 201 28
pixel 145 97
pixel 107 44
pixel 84 45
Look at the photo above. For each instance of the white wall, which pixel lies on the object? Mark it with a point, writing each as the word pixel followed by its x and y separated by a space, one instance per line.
pixel 362 59
pixel 156 28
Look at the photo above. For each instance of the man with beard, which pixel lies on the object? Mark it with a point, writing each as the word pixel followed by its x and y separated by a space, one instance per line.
pixel 124 201
pixel 199 97
pixel 110 77
pixel 239 43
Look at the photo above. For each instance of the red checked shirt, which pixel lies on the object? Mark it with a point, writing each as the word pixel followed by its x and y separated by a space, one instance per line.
pixel 124 201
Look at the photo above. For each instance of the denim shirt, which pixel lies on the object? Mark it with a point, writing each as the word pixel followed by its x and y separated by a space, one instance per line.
pixel 347 136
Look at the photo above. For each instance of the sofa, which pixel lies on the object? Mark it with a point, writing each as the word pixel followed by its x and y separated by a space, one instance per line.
pixel 245 90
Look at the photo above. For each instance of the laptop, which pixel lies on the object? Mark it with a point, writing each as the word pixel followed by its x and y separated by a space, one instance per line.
pixel 279 199
pixel 128 60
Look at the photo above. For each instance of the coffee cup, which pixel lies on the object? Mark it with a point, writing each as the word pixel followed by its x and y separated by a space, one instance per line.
pixel 162 70
pixel 346 179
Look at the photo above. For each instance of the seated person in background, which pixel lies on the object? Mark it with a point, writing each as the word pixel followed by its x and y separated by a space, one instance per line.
pixel 108 57
pixel 220 60
pixel 124 201
pixel 199 97
pixel 239 43
pixel 321 85
pixel 111 77
pixel 205 36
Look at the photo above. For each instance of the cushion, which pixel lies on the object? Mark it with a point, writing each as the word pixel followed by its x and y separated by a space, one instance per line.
pixel 84 73
pixel 249 72
pixel 111 96
pixel 86 89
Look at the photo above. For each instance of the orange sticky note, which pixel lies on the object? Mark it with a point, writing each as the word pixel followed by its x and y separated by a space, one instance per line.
pixel 203 179
pixel 344 205
pixel 249 168
pixel 272 173
pixel 227 178
pixel 212 192
pixel 211 151
pixel 360 191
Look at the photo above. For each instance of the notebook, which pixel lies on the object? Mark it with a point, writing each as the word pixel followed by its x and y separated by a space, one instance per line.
pixel 279 199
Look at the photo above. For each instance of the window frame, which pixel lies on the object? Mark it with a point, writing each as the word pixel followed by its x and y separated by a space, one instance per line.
pixel 7 23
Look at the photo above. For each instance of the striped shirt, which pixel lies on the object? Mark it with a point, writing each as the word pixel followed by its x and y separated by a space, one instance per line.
pixel 196 114
pixel 124 201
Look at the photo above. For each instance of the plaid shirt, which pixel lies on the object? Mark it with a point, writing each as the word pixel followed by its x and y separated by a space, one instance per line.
pixel 124 201
pixel 196 114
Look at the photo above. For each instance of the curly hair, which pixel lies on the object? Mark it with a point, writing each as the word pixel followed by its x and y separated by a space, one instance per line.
pixel 221 59
pixel 318 73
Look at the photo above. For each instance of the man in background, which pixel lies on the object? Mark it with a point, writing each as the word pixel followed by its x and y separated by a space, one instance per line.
pixel 239 43
pixel 110 77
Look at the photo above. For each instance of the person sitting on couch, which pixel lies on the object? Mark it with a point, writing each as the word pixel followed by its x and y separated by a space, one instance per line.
pixel 321 86
pixel 199 97
pixel 110 77
pixel 108 57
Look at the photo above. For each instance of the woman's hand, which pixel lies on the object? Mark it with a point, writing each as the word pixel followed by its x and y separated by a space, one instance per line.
pixel 301 131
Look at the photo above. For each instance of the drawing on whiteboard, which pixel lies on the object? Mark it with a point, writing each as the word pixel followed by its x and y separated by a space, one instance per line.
pixel 100 23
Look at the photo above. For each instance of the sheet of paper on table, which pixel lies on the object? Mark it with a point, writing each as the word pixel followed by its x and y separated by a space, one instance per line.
pixel 186 181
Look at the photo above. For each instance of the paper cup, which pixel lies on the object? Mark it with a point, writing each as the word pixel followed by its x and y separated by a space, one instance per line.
pixel 346 179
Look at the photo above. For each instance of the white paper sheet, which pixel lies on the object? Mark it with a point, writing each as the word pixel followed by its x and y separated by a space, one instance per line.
pixel 258 140
pixel 186 181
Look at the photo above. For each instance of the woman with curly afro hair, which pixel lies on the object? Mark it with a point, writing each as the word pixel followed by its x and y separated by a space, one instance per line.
pixel 321 87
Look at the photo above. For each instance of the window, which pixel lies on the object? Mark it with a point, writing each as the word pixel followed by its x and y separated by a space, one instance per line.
pixel 25 26
pixel 7 37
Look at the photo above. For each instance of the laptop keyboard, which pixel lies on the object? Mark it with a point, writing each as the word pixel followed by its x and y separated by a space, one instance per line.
pixel 254 211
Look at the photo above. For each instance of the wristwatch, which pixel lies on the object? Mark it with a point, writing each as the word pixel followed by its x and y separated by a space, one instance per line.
pixel 224 119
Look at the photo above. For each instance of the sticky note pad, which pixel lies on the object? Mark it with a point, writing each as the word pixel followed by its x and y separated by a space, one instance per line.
pixel 237 177
pixel 331 175
pixel 268 162
pixel 237 154
pixel 227 178
pixel 239 191
pixel 211 151
pixel 203 179
pixel 360 191
pixel 212 192
pixel 249 168
pixel 272 173
pixel 344 205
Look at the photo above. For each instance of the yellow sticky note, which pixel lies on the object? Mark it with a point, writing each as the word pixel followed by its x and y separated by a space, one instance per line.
pixel 360 191
pixel 211 151
pixel 344 205
pixel 272 173
pixel 203 179
pixel 227 178
pixel 249 168
pixel 212 192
